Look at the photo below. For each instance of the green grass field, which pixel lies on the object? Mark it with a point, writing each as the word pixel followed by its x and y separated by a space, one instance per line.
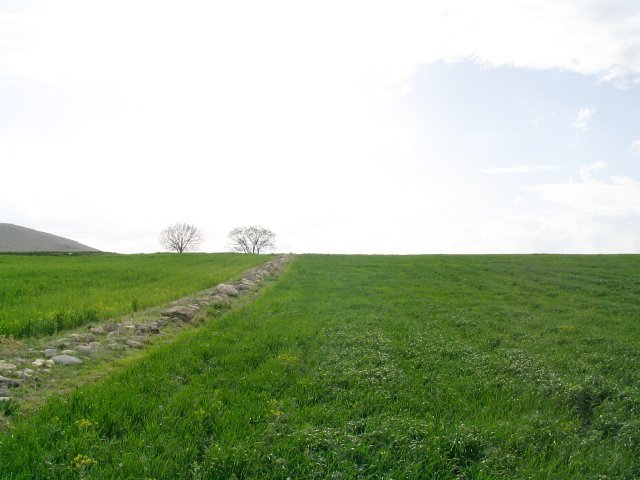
pixel 42 294
pixel 447 367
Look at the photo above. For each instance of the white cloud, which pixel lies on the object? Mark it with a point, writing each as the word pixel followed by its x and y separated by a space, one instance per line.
pixel 520 169
pixel 591 216
pixel 635 147
pixel 618 196
pixel 582 118
pixel 366 39
pixel 561 232
pixel 585 171
pixel 606 199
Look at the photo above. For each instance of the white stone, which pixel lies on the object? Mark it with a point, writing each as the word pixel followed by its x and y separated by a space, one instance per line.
pixel 134 344
pixel 66 360
pixel 50 352
pixel 227 290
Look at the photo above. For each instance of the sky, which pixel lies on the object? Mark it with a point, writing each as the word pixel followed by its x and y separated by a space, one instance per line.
pixel 502 126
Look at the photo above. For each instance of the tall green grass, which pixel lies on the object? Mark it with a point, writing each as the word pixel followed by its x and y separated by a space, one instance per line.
pixel 374 367
pixel 42 294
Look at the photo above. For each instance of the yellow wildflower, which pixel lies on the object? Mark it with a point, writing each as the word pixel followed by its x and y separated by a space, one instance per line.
pixel 84 423
pixel 81 461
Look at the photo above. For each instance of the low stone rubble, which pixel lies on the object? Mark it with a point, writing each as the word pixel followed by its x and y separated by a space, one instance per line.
pixel 184 313
pixel 7 367
pixel 224 289
pixel 65 352
pixel 66 360
pixel 8 382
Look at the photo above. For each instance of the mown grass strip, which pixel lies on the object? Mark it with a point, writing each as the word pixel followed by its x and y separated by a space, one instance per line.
pixel 374 367
pixel 44 294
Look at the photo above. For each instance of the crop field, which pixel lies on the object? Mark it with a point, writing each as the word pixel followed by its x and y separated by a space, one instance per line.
pixel 42 294
pixel 450 367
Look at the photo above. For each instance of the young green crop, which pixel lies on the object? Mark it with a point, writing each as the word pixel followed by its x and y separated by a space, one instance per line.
pixel 374 367
pixel 42 294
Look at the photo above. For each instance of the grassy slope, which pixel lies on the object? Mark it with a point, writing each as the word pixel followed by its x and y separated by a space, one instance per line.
pixel 40 294
pixel 380 367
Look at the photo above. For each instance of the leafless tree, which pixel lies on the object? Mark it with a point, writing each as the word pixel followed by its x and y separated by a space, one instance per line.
pixel 251 239
pixel 181 237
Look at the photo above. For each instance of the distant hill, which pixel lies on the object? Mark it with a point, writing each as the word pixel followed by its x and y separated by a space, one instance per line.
pixel 14 238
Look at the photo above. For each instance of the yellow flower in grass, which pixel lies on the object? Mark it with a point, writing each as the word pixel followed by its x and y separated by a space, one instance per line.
pixel 288 357
pixel 84 423
pixel 275 408
pixel 81 461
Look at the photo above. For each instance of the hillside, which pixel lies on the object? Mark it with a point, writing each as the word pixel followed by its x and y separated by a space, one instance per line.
pixel 14 238
pixel 448 367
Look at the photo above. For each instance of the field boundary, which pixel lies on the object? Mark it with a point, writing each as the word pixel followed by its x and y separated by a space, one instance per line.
pixel 32 369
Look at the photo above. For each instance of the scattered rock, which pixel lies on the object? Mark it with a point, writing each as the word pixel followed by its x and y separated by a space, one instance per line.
pixel 84 349
pixel 217 299
pixel 8 382
pixel 147 328
pixel 5 399
pixel 66 360
pixel 89 348
pixel 123 335
pixel 183 313
pixel 7 367
pixel 225 289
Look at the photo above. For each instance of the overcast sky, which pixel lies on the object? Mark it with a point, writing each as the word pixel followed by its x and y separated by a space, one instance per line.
pixel 345 127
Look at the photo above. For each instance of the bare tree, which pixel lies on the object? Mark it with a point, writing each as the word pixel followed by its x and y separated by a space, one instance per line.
pixel 251 239
pixel 181 237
